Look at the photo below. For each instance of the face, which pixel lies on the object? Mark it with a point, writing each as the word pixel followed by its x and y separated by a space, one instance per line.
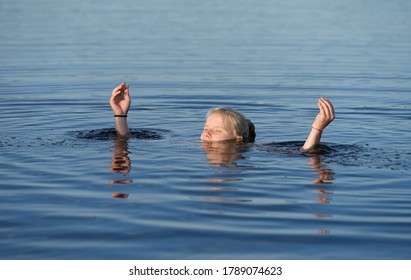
pixel 218 128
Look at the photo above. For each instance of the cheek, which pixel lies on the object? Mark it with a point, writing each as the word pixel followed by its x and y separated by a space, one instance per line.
pixel 230 131
pixel 223 136
pixel 229 134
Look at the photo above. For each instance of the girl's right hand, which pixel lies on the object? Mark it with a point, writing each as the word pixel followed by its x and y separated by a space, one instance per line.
pixel 120 99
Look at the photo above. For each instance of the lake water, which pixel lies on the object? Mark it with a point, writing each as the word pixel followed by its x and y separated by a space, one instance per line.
pixel 69 189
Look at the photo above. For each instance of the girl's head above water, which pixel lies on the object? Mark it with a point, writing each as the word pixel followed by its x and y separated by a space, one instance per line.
pixel 224 124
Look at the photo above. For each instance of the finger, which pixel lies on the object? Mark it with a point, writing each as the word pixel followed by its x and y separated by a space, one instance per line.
pixel 126 94
pixel 321 106
pixel 330 108
pixel 330 105
pixel 325 107
pixel 126 89
pixel 123 86
pixel 120 86
pixel 117 90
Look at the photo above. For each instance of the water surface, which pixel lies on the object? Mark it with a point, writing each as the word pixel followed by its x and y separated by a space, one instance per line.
pixel 70 189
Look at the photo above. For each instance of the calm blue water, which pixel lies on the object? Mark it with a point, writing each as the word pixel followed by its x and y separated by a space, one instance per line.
pixel 70 190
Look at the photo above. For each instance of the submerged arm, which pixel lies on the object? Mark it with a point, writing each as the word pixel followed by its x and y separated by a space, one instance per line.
pixel 120 104
pixel 324 118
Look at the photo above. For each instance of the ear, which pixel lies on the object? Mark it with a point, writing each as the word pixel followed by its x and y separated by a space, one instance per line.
pixel 239 138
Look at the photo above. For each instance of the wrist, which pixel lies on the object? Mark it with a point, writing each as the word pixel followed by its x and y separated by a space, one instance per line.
pixel 317 129
pixel 121 125
pixel 119 111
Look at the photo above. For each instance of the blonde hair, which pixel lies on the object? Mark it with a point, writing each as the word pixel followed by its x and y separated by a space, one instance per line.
pixel 242 126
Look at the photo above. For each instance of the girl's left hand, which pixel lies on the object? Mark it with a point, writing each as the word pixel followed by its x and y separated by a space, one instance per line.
pixel 325 116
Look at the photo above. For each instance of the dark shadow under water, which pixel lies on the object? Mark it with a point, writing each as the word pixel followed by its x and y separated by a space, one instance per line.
pixel 346 154
pixel 110 134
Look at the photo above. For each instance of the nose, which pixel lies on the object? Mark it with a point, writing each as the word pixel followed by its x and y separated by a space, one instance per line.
pixel 206 134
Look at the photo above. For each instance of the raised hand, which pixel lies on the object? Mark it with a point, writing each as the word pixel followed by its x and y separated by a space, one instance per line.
pixel 120 99
pixel 120 104
pixel 325 116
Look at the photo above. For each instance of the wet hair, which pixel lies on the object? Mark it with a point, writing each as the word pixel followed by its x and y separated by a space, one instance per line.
pixel 242 126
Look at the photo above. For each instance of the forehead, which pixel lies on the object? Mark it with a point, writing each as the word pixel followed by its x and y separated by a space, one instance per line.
pixel 217 119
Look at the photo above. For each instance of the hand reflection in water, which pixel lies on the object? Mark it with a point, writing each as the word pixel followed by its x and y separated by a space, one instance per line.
pixel 120 163
pixel 325 177
pixel 226 155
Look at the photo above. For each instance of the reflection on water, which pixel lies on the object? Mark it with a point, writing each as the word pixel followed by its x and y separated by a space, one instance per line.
pixel 120 163
pixel 325 176
pixel 224 153
pixel 226 156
